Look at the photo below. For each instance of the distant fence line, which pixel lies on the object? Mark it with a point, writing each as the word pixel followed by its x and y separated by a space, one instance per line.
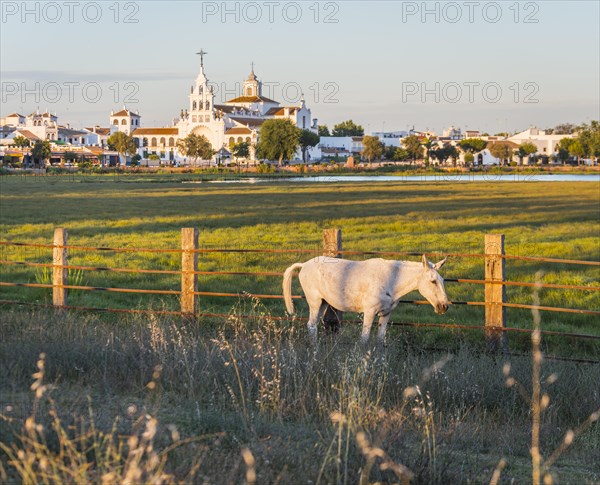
pixel 494 283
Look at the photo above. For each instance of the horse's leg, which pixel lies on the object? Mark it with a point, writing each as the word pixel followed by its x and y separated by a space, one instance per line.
pixel 366 330
pixel 383 322
pixel 316 309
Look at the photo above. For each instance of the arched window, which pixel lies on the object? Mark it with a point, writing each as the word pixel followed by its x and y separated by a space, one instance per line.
pixel 145 142
pixel 248 140
pixel 240 139
pixel 116 122
pixel 207 105
pixel 171 142
pixel 163 141
pixel 123 121
pixel 153 141
pixel 231 141
pixel 194 105
pixel 249 92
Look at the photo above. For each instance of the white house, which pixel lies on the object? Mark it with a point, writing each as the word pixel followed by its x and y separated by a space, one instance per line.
pixel 341 145
pixel 391 138
pixel 547 145
pixel 485 157
pixel 14 120
pixel 98 136
pixel 72 137
pixel 452 133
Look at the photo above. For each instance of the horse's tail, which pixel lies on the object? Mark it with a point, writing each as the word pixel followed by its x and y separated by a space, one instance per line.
pixel 287 287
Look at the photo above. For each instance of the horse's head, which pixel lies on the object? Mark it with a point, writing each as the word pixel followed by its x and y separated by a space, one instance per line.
pixel 431 286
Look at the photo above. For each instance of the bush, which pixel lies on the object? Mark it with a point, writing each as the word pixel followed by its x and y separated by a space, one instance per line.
pixel 265 168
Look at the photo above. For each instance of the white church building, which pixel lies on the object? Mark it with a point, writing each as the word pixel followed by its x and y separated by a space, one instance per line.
pixel 236 120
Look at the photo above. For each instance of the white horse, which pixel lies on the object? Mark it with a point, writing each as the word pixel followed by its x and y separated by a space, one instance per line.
pixel 372 287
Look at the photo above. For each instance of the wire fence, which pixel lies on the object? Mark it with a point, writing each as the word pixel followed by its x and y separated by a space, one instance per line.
pixel 494 283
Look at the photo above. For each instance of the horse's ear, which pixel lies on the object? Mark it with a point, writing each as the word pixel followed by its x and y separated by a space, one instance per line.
pixel 425 263
pixel 441 263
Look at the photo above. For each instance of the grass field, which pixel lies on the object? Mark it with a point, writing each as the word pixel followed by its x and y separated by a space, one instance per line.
pixel 299 414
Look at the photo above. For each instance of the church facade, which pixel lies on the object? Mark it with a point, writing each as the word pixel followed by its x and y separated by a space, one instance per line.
pixel 234 121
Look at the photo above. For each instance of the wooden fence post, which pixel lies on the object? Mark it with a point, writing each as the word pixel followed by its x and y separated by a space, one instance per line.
pixel 495 293
pixel 189 265
pixel 60 274
pixel 332 245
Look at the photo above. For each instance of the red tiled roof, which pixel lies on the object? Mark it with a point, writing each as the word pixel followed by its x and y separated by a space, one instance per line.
pixel 126 112
pixel 251 122
pixel 15 115
pixel 238 130
pixel 280 111
pixel 27 134
pixel 99 131
pixel 155 131
pixel 251 99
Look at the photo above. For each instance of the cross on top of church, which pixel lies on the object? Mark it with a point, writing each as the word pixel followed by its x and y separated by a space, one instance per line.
pixel 202 53
pixel 252 66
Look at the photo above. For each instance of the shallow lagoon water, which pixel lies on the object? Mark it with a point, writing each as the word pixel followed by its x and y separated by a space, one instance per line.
pixel 459 177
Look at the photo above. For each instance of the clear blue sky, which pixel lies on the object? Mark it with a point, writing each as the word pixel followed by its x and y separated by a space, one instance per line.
pixel 369 60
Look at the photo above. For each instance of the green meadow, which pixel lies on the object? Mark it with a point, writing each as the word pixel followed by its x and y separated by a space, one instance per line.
pixel 557 220
pixel 432 402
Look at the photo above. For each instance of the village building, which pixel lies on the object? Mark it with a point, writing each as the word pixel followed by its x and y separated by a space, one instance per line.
pixel 546 144
pixel 224 125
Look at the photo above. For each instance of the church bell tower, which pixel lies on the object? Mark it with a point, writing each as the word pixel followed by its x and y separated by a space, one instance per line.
pixel 201 96
pixel 252 86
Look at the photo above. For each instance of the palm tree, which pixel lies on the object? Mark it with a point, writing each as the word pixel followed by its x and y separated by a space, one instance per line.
pixel 427 143
pixel 123 144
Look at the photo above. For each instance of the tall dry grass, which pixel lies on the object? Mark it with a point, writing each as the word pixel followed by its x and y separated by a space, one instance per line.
pixel 241 400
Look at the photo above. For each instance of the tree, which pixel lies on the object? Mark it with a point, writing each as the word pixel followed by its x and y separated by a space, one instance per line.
pixel 563 149
pixel 135 160
pixel 577 149
pixel 412 144
pixel 469 158
pixel 589 136
pixel 401 154
pixel 195 146
pixel 308 139
pixel 501 151
pixel 323 130
pixel 525 149
pixel 20 142
pixel 472 145
pixel 389 152
pixel 69 157
pixel 563 129
pixel 373 148
pixel 123 144
pixel 427 144
pixel 278 140
pixel 348 128
pixel 452 153
pixel 41 151
pixel 241 150
pixel 444 153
